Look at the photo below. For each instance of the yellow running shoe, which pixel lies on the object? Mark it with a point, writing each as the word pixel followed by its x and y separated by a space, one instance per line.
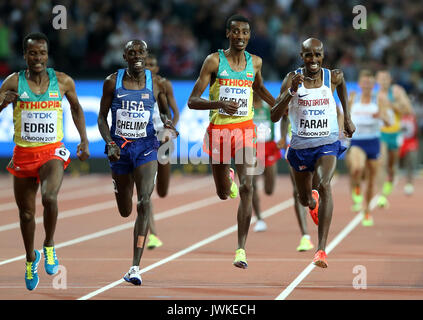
pixel 240 259
pixel 367 220
pixel 387 188
pixel 305 244
pixel 153 242
pixel 234 187
pixel 382 202
pixel 357 201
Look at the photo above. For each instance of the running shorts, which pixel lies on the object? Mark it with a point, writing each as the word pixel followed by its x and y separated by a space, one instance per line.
pixel 27 161
pixel 222 141
pixel 305 159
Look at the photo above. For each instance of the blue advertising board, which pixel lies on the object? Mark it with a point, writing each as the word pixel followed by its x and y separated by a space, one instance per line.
pixel 191 126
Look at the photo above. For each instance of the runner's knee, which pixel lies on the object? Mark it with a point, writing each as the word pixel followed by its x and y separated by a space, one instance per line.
pixel 268 189
pixel 49 200
pixel 26 215
pixel 246 189
pixel 304 200
pixel 222 194
pixel 143 204
pixel 125 212
pixel 162 192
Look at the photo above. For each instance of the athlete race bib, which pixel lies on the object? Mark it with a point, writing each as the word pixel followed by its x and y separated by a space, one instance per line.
pixel 132 124
pixel 39 126
pixel 237 94
pixel 313 122
pixel 63 153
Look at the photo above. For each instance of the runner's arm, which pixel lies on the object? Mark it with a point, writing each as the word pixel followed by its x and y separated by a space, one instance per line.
pixel 403 103
pixel 258 85
pixel 78 117
pixel 105 105
pixel 210 66
pixel 281 105
pixel 172 102
pixel 8 91
pixel 338 80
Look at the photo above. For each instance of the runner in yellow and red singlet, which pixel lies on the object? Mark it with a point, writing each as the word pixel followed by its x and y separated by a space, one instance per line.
pixel 233 75
pixel 39 156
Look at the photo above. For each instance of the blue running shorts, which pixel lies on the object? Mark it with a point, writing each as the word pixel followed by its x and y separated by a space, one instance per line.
pixel 305 159
pixel 371 147
pixel 134 154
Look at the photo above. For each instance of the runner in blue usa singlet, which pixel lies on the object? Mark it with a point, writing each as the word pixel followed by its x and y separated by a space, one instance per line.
pixel 132 125
pixel 131 142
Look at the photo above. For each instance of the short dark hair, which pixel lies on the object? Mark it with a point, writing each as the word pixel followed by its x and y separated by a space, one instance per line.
pixel 34 36
pixel 366 73
pixel 236 17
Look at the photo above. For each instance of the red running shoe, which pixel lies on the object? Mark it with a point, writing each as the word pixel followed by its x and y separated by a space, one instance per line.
pixel 320 259
pixel 315 212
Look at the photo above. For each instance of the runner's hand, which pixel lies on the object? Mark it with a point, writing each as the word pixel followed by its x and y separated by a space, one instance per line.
pixel 171 130
pixel 113 152
pixel 349 128
pixel 9 97
pixel 281 144
pixel 230 107
pixel 297 79
pixel 82 151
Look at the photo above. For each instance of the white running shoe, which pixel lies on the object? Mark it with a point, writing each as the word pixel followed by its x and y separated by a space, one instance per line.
pixel 408 189
pixel 260 226
pixel 133 276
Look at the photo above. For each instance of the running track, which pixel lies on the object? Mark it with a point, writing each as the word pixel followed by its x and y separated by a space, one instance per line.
pixel 94 244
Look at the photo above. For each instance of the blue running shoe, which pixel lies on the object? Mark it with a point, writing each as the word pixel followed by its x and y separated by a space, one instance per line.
pixel 31 274
pixel 51 264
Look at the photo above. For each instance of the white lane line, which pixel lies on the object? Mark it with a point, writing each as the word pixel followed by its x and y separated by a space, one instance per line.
pixel 165 214
pixel 341 236
pixel 180 189
pixel 267 213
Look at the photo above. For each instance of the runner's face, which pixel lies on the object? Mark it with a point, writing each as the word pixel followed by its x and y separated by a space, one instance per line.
pixel 313 58
pixel 383 79
pixel 366 83
pixel 238 35
pixel 36 55
pixel 151 64
pixel 136 56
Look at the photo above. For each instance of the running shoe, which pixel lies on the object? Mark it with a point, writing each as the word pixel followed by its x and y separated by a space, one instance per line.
pixel 260 226
pixel 357 201
pixel 320 259
pixel 240 259
pixel 51 264
pixel 31 273
pixel 408 189
pixel 367 220
pixel 382 202
pixel 133 276
pixel 153 242
pixel 357 198
pixel 387 188
pixel 314 213
pixel 305 244
pixel 356 207
pixel 234 187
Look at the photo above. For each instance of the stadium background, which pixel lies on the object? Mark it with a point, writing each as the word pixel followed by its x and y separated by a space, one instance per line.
pixel 181 33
